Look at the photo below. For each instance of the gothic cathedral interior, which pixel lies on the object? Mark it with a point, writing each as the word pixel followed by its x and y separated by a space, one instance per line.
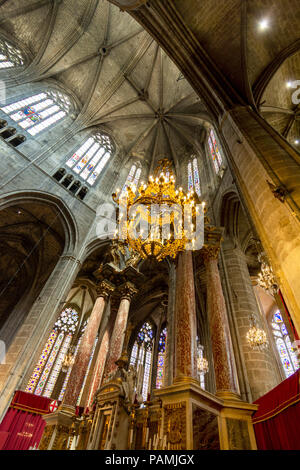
pixel 149 224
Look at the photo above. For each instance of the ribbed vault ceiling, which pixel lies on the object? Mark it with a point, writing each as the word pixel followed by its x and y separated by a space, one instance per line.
pixel 122 80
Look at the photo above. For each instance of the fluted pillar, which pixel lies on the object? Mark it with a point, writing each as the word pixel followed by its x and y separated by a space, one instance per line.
pixel 85 349
pixel 219 327
pixel 185 320
pixel 127 291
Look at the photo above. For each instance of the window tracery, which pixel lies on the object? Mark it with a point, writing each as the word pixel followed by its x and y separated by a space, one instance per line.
pixel 91 158
pixel 39 112
pixel 215 151
pixel 287 354
pixel 10 56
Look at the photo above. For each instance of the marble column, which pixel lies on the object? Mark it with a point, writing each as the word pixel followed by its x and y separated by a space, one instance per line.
pixel 127 291
pixel 99 367
pixel 219 328
pixel 185 320
pixel 85 349
pixel 170 346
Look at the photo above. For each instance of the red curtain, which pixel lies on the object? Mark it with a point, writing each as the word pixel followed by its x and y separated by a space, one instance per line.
pixel 277 421
pixel 23 424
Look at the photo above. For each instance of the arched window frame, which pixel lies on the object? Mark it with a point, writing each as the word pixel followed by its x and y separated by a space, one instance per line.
pixel 141 357
pixel 194 175
pixel 287 354
pixel 10 55
pixel 161 357
pixel 46 372
pixel 89 161
pixel 40 112
pixel 134 176
pixel 214 151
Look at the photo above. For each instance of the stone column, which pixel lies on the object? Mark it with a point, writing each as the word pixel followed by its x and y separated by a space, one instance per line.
pixel 261 367
pixel 219 327
pixel 85 349
pixel 127 291
pixel 185 320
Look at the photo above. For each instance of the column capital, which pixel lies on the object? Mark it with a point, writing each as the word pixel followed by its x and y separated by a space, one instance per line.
pixel 105 289
pixel 127 291
pixel 210 252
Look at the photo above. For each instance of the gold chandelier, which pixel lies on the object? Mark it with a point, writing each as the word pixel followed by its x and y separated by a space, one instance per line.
pixel 266 278
pixel 168 235
pixel 257 338
pixel 202 365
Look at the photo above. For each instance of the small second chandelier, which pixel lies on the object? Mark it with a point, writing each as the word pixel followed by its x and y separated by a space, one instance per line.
pixel 257 337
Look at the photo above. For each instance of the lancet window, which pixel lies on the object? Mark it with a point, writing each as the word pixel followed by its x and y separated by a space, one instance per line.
pixel 287 354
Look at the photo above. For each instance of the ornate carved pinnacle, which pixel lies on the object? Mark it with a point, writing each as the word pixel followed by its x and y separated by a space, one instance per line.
pixel 105 289
pixel 127 291
pixel 210 252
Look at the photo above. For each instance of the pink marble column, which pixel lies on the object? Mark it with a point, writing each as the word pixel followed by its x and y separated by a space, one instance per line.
pixel 99 367
pixel 185 319
pixel 117 338
pixel 85 349
pixel 219 327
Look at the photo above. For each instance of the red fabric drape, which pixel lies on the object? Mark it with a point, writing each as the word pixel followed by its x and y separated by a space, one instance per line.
pixel 277 420
pixel 24 429
pixel 288 315
pixel 23 425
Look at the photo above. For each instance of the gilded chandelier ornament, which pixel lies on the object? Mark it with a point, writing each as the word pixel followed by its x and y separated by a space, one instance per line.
pixel 170 213
pixel 266 278
pixel 257 337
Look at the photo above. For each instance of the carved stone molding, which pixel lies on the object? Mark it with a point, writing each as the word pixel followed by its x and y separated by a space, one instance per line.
pixel 210 252
pixel 129 5
pixel 105 289
pixel 127 291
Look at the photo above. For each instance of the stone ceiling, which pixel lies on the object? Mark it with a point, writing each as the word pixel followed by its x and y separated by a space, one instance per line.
pixel 121 79
pixel 223 42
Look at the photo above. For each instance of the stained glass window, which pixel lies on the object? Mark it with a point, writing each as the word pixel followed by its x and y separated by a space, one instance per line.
pixel 133 177
pixel 10 56
pixel 214 151
pixel 193 177
pixel 91 158
pixel 40 111
pixel 161 358
pixel 141 359
pixel 287 354
pixel 46 372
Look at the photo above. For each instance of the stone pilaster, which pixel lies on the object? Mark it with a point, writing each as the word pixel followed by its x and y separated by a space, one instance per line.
pixel 261 367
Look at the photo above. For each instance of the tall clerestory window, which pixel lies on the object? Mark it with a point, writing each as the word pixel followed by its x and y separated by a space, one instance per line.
pixel 39 112
pixel 193 177
pixel 91 158
pixel 141 359
pixel 287 354
pixel 133 177
pixel 10 56
pixel 47 370
pixel 214 151
pixel 161 358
